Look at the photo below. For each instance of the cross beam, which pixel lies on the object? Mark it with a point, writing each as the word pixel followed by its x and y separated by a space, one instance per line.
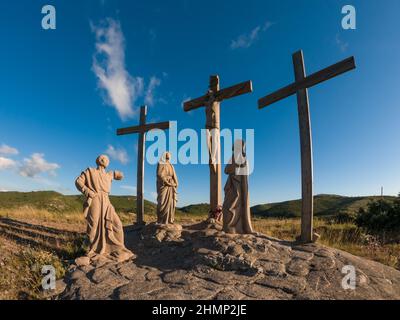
pixel 308 82
pixel 227 93
pixel 141 129
pixel 300 88
pixel 211 101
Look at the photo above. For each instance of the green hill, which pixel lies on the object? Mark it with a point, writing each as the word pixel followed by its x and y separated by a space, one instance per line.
pixel 56 202
pixel 325 205
pixel 201 208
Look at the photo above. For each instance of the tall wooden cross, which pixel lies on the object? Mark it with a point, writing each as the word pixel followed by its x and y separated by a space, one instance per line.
pixel 211 101
pixel 300 88
pixel 141 129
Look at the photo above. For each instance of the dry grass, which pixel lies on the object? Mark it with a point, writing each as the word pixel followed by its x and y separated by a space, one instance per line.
pixel 346 237
pixel 20 279
pixel 20 271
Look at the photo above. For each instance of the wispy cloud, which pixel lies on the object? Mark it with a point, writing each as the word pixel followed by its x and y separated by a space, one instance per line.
pixel 341 44
pixel 154 83
pixel 36 165
pixel 7 150
pixel 118 154
pixel 245 40
pixel 153 195
pixel 122 90
pixel 6 163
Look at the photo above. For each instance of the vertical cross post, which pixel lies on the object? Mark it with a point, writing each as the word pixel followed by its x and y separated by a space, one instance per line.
pixel 215 168
pixel 211 101
pixel 140 168
pixel 300 88
pixel 307 211
pixel 141 129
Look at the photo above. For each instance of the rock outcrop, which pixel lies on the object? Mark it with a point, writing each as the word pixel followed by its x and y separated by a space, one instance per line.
pixel 202 262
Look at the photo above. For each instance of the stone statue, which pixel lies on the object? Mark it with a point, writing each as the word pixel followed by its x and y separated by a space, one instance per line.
pixel 104 227
pixel 167 183
pixel 212 129
pixel 236 206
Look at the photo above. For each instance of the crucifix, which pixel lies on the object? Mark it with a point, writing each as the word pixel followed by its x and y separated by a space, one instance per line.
pixel 211 101
pixel 141 129
pixel 300 88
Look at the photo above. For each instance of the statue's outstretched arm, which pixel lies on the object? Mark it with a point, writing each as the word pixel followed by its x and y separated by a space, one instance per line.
pixel 118 175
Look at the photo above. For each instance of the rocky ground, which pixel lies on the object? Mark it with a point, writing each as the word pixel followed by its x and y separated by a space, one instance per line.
pixel 201 262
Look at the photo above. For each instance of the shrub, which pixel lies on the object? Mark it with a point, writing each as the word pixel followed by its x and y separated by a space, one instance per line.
pixel 345 216
pixel 380 216
pixel 31 263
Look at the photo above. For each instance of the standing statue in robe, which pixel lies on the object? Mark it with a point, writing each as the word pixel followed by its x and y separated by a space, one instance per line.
pixel 167 184
pixel 104 227
pixel 236 206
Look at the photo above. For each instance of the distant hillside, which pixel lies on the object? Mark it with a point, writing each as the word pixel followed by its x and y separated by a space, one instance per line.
pixel 325 205
pixel 201 208
pixel 56 202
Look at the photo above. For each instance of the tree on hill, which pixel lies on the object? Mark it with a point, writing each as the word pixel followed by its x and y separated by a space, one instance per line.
pixel 380 216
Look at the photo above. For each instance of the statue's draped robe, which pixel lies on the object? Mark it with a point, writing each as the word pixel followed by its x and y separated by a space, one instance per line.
pixel 104 227
pixel 213 133
pixel 236 206
pixel 166 193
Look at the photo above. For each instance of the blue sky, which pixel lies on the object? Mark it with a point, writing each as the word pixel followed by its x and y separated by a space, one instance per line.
pixel 56 116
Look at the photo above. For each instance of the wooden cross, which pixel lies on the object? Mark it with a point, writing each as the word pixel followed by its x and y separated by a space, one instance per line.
pixel 141 129
pixel 211 101
pixel 300 88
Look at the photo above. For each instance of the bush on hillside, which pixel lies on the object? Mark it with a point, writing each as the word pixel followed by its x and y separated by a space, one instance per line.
pixel 345 216
pixel 380 216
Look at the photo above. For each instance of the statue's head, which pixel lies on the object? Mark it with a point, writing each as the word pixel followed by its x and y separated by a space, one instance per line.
pixel 239 146
pixel 166 156
pixel 239 151
pixel 102 161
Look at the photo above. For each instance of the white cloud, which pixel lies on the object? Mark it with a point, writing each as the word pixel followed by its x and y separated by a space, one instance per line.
pixel 153 195
pixel 341 44
pixel 245 40
pixel 6 163
pixel 131 189
pixel 118 154
pixel 5 149
pixel 109 66
pixel 154 83
pixel 267 25
pixel 36 165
